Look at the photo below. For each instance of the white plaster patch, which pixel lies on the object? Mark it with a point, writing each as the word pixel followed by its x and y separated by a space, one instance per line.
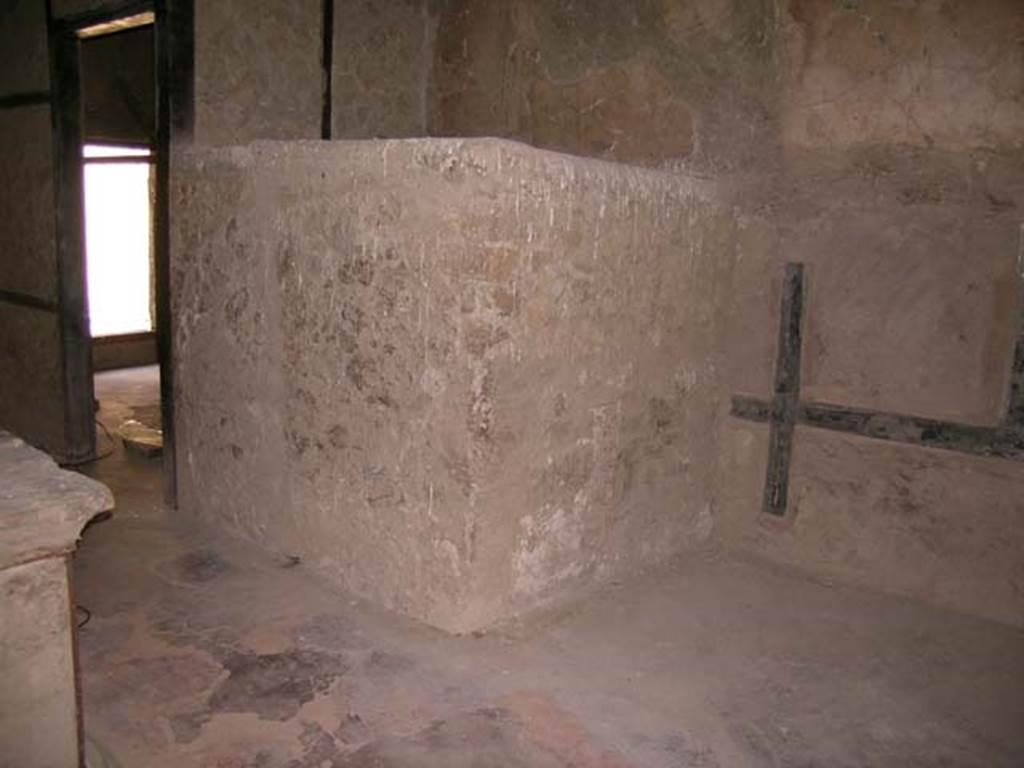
pixel 547 551
pixel 703 524
pixel 447 550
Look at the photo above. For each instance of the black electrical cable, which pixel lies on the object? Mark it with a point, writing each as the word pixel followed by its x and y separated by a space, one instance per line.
pixel 94 459
pixel 87 612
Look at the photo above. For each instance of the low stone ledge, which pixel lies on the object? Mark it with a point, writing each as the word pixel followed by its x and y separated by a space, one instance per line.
pixel 43 508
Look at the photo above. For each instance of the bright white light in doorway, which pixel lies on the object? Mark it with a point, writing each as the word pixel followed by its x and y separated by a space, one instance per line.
pixel 118 244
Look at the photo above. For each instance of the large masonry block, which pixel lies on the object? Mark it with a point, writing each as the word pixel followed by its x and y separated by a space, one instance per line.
pixel 459 377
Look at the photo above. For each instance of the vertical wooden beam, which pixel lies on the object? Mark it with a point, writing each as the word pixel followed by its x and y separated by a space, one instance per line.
pixel 73 308
pixel 787 392
pixel 174 111
pixel 327 115
pixel 1014 416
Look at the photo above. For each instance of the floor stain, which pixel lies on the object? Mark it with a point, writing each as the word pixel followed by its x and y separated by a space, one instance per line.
pixel 200 566
pixel 275 685
pixel 484 738
pixel 329 631
pixel 389 662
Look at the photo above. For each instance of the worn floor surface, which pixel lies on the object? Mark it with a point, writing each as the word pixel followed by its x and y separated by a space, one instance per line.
pixel 203 651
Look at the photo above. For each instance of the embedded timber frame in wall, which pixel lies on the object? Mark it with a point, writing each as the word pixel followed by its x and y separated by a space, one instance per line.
pixel 786 410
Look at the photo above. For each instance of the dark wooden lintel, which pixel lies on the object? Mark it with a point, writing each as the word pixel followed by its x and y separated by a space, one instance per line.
pixel 327 62
pixel 27 300
pixel 26 99
pixel 1006 442
pixel 121 160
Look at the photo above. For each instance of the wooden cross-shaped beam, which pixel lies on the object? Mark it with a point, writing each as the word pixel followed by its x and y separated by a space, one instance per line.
pixel 786 410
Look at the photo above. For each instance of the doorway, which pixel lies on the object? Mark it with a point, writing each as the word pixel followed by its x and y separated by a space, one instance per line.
pixel 118 95
pixel 119 242
pixel 121 93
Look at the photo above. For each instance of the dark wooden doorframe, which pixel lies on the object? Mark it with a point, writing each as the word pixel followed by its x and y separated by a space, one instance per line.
pixel 174 67
pixel 72 306
pixel 175 29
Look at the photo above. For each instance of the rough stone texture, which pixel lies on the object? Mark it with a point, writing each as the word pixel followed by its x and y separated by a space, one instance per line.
pixel 932 74
pixel 38 715
pixel 42 512
pixel 653 82
pixel 461 377
pixel 382 61
pixel 24 57
pixel 258 70
pixel 42 508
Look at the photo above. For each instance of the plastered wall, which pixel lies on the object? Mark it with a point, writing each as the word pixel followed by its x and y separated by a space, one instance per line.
pixel 460 378
pixel 258 70
pixel 939 74
pixel 643 82
pixel 382 58
pixel 900 183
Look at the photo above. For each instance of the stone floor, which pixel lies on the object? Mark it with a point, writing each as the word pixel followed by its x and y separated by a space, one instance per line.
pixel 203 651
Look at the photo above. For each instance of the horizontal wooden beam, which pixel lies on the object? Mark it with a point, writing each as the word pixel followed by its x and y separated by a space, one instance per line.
pixel 1005 442
pixel 27 300
pixel 123 24
pixel 26 99
pixel 109 14
pixel 121 160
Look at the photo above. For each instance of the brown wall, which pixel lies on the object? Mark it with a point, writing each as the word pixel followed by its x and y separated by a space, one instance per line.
pixel 31 395
pixel 119 87
pixel 24 58
pixel 901 186
pixel 643 81
pixel 382 60
pixel 650 82
pixel 258 70
pixel 943 74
